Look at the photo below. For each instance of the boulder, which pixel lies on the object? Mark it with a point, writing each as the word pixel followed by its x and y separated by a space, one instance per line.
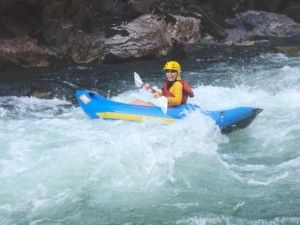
pixel 151 35
pixel 33 33
pixel 26 52
pixel 253 25
pixel 213 51
pixel 292 10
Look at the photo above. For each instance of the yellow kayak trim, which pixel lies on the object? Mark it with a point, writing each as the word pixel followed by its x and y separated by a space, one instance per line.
pixel 131 117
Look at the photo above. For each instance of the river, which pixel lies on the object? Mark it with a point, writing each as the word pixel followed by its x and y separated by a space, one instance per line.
pixel 57 166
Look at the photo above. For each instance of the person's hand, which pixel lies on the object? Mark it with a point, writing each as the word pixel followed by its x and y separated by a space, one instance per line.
pixel 147 86
pixel 156 95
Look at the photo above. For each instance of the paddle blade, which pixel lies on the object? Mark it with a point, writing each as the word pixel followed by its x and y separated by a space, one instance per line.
pixel 138 81
pixel 163 103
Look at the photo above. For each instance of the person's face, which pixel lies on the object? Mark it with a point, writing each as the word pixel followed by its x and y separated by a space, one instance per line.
pixel 171 74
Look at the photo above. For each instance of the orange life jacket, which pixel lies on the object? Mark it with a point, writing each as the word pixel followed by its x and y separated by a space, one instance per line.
pixel 186 91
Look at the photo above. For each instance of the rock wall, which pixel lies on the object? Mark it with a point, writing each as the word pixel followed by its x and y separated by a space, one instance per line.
pixel 42 33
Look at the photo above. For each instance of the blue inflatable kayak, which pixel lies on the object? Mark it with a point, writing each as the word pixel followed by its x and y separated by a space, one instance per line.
pixel 96 106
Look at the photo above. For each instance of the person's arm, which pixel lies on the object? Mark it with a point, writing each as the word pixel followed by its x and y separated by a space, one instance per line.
pixel 156 94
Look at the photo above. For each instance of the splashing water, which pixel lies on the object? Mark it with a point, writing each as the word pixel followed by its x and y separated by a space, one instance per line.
pixel 57 166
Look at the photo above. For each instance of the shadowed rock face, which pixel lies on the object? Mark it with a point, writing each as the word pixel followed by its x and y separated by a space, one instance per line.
pixel 26 51
pixel 278 28
pixel 37 33
pixel 156 40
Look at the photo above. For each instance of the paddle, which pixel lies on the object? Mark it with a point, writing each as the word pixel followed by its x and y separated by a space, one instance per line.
pixel 163 101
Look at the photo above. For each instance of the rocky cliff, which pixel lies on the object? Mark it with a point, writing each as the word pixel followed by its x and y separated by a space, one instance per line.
pixel 42 33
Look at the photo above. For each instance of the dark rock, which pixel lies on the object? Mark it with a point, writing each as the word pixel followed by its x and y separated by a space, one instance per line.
pixel 82 48
pixel 135 8
pixel 35 33
pixel 211 50
pixel 293 11
pixel 7 5
pixel 26 52
pixel 5 33
pixel 279 29
pixel 289 50
pixel 270 5
pixel 211 26
pixel 151 35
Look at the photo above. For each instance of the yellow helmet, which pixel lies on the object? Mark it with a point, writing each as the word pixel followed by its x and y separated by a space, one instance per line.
pixel 172 65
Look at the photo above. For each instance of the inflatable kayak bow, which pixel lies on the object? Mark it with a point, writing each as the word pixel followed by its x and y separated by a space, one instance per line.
pixel 96 106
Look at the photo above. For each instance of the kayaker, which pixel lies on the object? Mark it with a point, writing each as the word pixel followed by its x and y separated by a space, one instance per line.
pixel 174 88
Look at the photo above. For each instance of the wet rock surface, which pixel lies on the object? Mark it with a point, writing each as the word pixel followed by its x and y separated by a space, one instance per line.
pixel 43 33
